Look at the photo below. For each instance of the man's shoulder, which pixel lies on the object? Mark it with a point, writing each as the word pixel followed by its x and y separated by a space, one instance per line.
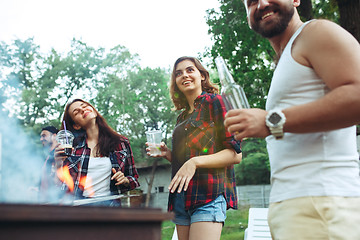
pixel 322 31
pixel 318 38
pixel 321 26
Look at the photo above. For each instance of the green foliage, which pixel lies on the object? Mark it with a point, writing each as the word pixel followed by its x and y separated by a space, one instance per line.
pixel 167 230
pixel 112 96
pixel 254 167
pixel 36 88
pixel 136 103
pixel 327 9
pixel 74 72
pixel 248 55
pixel 235 224
pixel 152 98
pixel 25 81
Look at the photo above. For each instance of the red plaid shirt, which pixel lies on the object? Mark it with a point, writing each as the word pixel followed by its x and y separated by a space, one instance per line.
pixel 121 159
pixel 206 134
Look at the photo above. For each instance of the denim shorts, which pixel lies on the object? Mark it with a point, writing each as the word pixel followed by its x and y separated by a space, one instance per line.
pixel 214 211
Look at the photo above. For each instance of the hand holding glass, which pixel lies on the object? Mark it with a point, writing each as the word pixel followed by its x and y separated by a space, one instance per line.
pixel 65 139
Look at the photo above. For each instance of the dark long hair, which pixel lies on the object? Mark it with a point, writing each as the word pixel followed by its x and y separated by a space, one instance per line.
pixel 108 140
pixel 177 97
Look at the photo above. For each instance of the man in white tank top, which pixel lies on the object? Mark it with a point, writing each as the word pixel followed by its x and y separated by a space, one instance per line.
pixel 312 107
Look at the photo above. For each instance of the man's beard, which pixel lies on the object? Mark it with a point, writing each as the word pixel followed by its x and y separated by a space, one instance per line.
pixel 279 25
pixel 47 145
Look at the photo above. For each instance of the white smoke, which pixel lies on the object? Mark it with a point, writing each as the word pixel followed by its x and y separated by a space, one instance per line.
pixel 21 163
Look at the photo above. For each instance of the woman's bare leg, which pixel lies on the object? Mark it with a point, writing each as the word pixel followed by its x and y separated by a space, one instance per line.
pixel 183 232
pixel 205 231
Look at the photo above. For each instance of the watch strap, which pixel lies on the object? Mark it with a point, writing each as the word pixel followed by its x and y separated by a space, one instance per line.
pixel 276 129
pixel 277 132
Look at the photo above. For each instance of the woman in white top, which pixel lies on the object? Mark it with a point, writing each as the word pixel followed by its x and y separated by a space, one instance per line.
pixel 102 162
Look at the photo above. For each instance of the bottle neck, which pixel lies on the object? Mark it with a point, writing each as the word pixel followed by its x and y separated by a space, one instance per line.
pixel 224 73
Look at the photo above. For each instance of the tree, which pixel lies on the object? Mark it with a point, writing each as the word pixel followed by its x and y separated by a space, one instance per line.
pixel 111 88
pixel 134 101
pixel 248 55
pixel 305 10
pixel 344 12
pixel 75 72
pixel 131 99
pixel 36 87
pixel 349 16
pixel 26 85
pixel 151 105
pixel 254 167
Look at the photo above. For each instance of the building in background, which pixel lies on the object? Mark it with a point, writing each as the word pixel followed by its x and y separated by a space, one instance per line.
pixel 159 190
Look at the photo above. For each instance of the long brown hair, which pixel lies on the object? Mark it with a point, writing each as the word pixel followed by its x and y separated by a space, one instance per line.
pixel 177 97
pixel 108 140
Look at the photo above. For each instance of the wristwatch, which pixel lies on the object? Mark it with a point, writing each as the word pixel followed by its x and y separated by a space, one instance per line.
pixel 275 121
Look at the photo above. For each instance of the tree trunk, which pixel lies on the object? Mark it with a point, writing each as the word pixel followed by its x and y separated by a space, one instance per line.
pixel 148 194
pixel 305 10
pixel 349 16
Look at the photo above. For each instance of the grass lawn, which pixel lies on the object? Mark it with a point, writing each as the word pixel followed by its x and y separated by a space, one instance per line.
pixel 235 225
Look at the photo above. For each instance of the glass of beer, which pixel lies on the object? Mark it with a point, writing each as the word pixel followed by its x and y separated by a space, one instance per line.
pixel 65 139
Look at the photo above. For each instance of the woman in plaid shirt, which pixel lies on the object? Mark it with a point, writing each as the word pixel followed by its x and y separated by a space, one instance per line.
pixel 204 152
pixel 102 162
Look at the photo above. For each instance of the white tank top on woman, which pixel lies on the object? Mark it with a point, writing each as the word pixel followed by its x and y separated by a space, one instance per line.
pixel 98 176
pixel 311 164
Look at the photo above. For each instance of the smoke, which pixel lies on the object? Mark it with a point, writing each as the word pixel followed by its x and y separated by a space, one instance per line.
pixel 21 164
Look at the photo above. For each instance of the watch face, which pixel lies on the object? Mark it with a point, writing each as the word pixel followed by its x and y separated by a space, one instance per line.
pixel 274 118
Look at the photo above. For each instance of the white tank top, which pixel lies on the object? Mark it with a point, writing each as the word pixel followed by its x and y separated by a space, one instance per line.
pixel 311 164
pixel 97 183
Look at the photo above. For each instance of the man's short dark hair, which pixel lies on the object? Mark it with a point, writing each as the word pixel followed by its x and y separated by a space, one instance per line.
pixel 51 129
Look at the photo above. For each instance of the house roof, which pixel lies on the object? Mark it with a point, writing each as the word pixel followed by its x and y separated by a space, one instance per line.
pixel 145 165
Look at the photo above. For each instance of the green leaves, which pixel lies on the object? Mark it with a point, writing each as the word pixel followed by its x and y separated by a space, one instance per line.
pixel 247 54
pixel 254 167
pixel 35 88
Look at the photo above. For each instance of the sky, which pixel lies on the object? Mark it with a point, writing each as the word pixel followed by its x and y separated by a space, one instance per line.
pixel 159 31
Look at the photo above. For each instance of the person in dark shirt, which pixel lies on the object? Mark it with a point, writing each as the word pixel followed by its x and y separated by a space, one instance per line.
pixel 48 140
pixel 203 183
